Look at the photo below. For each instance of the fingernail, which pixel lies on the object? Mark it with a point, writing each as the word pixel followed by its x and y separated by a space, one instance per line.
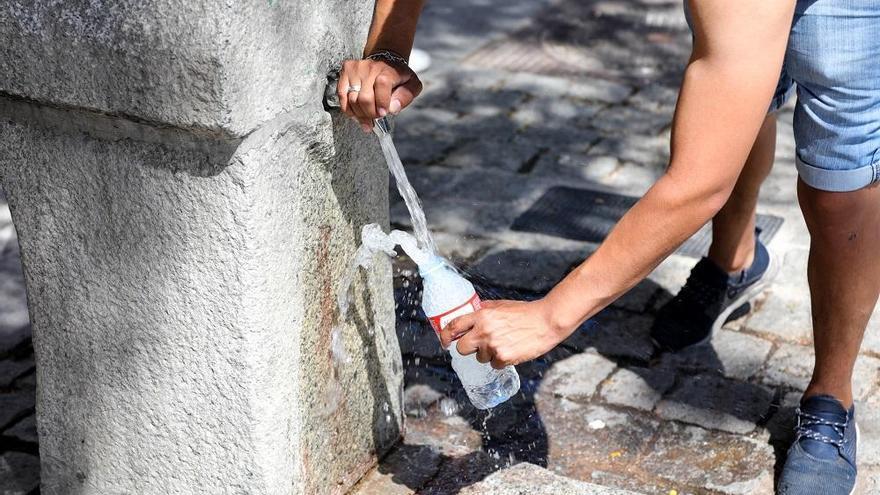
pixel 383 112
pixel 395 106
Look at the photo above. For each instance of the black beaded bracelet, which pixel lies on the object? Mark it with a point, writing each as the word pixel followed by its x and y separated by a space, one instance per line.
pixel 390 57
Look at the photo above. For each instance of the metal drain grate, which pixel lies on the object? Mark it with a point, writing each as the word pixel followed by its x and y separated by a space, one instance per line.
pixel 587 215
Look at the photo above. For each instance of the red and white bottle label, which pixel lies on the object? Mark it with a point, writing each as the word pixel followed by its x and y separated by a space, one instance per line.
pixel 441 320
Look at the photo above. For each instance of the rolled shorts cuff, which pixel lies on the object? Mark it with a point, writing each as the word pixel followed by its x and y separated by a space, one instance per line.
pixel 838 180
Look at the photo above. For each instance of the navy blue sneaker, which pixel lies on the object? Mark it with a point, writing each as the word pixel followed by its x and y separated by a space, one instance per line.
pixel 822 458
pixel 710 298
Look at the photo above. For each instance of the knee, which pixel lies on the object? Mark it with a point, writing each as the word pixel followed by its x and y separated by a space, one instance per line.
pixel 837 211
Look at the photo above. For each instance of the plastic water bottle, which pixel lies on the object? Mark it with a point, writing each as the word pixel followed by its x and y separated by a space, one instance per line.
pixel 446 296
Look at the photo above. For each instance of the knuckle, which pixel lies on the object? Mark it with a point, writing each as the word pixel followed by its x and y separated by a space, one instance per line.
pixel 383 79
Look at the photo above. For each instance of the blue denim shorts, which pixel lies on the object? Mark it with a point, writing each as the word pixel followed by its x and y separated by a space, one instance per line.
pixel 833 59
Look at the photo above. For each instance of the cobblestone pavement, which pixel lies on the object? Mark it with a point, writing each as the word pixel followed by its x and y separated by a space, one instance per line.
pixel 524 96
pixel 581 94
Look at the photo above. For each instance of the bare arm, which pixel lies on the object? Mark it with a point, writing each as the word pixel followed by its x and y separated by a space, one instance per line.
pixel 384 88
pixel 394 26
pixel 738 52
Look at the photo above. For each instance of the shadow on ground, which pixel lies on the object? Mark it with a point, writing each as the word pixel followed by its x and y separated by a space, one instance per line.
pixel 466 444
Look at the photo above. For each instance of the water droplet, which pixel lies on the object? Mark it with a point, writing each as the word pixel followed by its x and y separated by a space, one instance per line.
pixel 448 406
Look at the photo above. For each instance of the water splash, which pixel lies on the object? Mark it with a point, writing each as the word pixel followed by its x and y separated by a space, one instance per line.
pixel 373 242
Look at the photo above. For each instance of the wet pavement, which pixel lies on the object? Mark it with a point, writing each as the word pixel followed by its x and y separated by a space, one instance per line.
pixel 581 95
pixel 522 97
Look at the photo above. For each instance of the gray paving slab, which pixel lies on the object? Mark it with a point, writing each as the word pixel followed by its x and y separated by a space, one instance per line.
pixel 577 377
pixel 528 478
pixel 19 473
pixel 716 403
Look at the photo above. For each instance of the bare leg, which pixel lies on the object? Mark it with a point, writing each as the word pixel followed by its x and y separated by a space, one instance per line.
pixel 733 228
pixel 844 275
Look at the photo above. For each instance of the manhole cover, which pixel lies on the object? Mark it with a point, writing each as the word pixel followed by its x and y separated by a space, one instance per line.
pixel 587 215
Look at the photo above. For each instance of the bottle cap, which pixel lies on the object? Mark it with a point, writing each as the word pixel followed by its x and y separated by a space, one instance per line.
pixel 433 264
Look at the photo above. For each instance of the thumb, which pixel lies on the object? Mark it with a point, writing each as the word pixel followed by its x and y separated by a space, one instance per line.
pixel 404 94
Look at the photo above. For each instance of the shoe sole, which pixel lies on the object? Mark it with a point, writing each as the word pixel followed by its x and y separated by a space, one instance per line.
pixel 858 447
pixel 749 294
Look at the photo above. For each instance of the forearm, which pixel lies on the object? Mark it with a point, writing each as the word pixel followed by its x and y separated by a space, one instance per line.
pixel 724 98
pixel 394 26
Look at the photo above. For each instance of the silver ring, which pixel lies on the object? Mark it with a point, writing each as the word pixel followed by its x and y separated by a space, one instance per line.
pixel 354 89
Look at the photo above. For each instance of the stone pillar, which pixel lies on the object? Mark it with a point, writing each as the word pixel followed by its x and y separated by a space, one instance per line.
pixel 185 208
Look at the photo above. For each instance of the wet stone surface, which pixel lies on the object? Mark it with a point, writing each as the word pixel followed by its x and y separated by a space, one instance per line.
pixel 524 96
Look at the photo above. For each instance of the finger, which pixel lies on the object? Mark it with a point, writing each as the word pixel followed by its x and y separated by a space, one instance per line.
pixel 342 91
pixel 383 87
pixel 353 108
pixel 404 94
pixel 499 364
pixel 484 355
pixel 366 100
pixel 456 328
pixel 468 344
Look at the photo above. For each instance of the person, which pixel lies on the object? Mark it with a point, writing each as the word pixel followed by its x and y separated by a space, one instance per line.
pixel 722 148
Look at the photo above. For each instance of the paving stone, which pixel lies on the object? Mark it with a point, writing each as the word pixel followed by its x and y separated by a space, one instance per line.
pixel 633 178
pixel 10 369
pixel 26 383
pixel 792 366
pixel 577 377
pixel 656 97
pixel 732 354
pixel 419 398
pixel 785 313
pixel 781 425
pixel 871 341
pixel 525 478
pixel 460 472
pixel 461 250
pixel 581 88
pixel 670 276
pixel 637 298
pixel 448 434
pixel 648 151
pixel 25 430
pixel 577 449
pixel 19 473
pixel 559 137
pixel 716 403
pixel 868 482
pixel 494 153
pixel 541 110
pixel 404 471
pixel 580 166
pixel 782 318
pixel 536 271
pixel 713 461
pixel 14 406
pixel 639 388
pixel 424 149
pixel 616 334
pixel 624 119
pixel 868 419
